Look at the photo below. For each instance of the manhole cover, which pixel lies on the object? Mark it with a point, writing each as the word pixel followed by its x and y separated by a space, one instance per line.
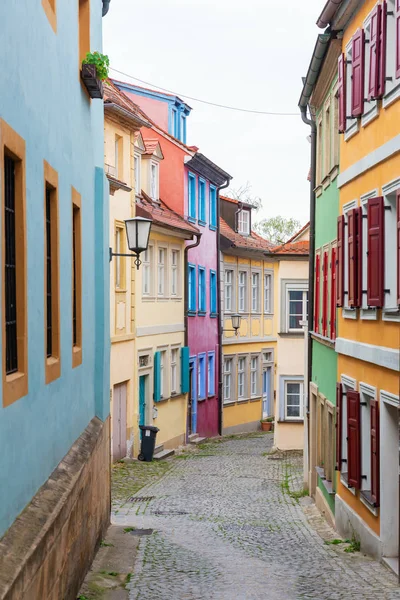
pixel 140 498
pixel 141 531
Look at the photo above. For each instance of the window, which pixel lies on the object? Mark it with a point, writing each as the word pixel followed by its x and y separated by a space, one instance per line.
pixel 183 129
pixel 174 371
pixel 175 124
pixel 351 123
pixel 255 292
pixel 120 265
pixel 297 309
pixel 175 259
pixel 319 175
pixel 147 271
pixel 325 298
pixel 293 400
pixel 371 29
pixel 268 293
pixel 228 290
pixel 241 377
pixel 254 376
pixel 213 207
pixel 213 292
pixel 119 158
pixel 327 139
pixel 202 377
pixel 154 181
pixel 391 247
pixel 392 55
pixel 76 280
pixel 244 222
pixel 202 201
pixel 192 288
pixel 161 271
pixel 211 374
pixel 267 356
pixel 84 29
pixel 12 175
pixel 242 291
pixel 163 383
pixel 192 196
pixel 202 290
pixel 50 10
pixel 52 275
pixel 228 379
pixel 137 165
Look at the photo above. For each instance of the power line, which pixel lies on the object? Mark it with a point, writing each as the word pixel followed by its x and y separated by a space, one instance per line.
pixel 246 110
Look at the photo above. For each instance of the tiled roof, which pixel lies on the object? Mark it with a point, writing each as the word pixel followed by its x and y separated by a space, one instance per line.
pixel 293 248
pixel 298 233
pixel 162 215
pixel 250 242
pixel 234 201
pixel 112 95
pixel 151 146
pixel 140 87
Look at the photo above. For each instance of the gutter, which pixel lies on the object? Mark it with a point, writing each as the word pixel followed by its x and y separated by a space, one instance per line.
pixel 314 69
pixel 106 7
pixel 328 12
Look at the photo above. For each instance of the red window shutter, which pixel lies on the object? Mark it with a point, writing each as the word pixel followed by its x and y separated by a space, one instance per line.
pixel 357 61
pixel 375 262
pixel 382 51
pixel 352 257
pixel 359 252
pixel 325 296
pixel 374 48
pixel 333 295
pixel 340 262
pixel 342 93
pixel 398 246
pixel 397 50
pixel 317 292
pixel 339 428
pixel 375 452
pixel 353 439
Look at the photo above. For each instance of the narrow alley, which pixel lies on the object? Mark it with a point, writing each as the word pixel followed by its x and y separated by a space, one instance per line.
pixel 227 520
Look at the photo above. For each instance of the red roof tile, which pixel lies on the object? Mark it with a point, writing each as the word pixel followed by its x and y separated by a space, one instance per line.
pixel 234 201
pixel 293 248
pixel 298 233
pixel 151 146
pixel 162 215
pixel 112 95
pixel 251 242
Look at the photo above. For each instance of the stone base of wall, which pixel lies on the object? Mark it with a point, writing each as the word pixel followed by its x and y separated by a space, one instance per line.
pixel 173 443
pixel 48 549
pixel 348 523
pixel 243 428
pixel 324 507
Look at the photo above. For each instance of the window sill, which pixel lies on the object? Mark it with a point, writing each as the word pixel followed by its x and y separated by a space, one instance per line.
pixel 76 356
pixel 365 497
pixel 229 403
pixel 352 130
pixel 162 298
pixel 212 227
pixel 368 314
pixel 192 219
pixel 349 313
pixel 192 313
pixel 211 395
pixel 201 399
pixel 255 398
pixel 300 421
pixel 148 298
pixel 391 96
pixel 202 223
pixel 120 290
pixel 391 314
pixel 318 191
pixel 329 342
pixel 242 400
pixel 328 485
pixel 213 316
pixel 292 334
pixel 370 115
pixel 201 313
pixel 343 481
pixel 53 369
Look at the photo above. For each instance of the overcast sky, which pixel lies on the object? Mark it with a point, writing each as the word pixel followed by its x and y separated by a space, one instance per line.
pixel 250 54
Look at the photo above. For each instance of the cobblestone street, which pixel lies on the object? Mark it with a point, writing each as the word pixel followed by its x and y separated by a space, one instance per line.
pixel 227 521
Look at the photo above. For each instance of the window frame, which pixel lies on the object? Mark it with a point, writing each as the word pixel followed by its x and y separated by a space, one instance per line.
pixel 164 267
pixel 245 292
pixel 201 376
pixel 177 270
pixel 83 35
pixel 304 305
pixel 211 374
pixel 212 194
pixel 137 169
pixel 254 375
pixel 245 396
pixel 270 275
pixel 255 306
pixel 164 379
pixel 120 261
pixel 300 382
pixel 147 267
pixel 201 196
pixel 213 294
pixel 228 376
pixel 175 364
pixel 202 296
pixel 286 286
pixel 156 196
pixel 232 287
pixel 50 8
pixel 192 289
pixel 392 86
pixel 241 222
pixel 192 200
pixel 77 277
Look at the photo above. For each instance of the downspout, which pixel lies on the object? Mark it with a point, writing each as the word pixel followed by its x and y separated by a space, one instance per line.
pixel 220 356
pixel 106 7
pixel 186 280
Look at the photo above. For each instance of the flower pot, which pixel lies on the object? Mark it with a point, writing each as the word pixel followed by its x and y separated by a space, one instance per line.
pixel 266 425
pixel 92 83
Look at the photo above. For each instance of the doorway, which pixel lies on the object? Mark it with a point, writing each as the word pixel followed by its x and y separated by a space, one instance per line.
pixel 118 425
pixel 192 400
pixel 266 393
pixel 389 464
pixel 142 400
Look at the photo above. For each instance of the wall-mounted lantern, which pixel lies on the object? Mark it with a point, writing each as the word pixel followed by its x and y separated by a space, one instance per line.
pixel 137 235
pixel 236 321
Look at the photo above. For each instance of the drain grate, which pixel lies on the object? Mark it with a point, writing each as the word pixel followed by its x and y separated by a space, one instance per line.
pixel 140 499
pixel 275 457
pixel 141 532
pixel 170 513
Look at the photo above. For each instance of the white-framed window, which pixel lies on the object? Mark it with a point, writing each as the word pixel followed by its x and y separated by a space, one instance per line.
pixel 161 254
pixel 163 374
pixel 370 106
pixel 154 181
pixel 228 367
pixel 242 377
pixel 268 293
pixel 319 165
pixel 174 370
pixel 201 372
pixel 391 268
pixel 228 290
pixel 175 260
pixel 297 309
pixel 268 356
pixel 392 84
pixel 244 222
pixel 254 376
pixel 293 399
pixel 242 291
pixel 255 292
pixel 147 261
pixel 352 123
pixel 327 138
pixel 367 393
pixel 137 172
pixel 211 373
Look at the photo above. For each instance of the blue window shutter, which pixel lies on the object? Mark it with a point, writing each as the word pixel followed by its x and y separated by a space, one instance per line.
pixel 157 376
pixel 185 369
pixel 213 293
pixel 192 288
pixel 192 195
pixel 213 206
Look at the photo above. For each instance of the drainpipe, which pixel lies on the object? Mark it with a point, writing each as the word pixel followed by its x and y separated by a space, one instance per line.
pixel 106 7
pixel 186 286
pixel 220 356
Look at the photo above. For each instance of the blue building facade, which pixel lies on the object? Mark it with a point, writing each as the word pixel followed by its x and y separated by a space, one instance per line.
pixel 54 283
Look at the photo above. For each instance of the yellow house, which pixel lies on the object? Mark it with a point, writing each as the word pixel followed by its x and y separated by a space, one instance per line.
pixel 161 360
pixel 122 122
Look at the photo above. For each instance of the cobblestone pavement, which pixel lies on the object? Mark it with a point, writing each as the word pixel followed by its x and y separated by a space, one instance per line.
pixel 227 524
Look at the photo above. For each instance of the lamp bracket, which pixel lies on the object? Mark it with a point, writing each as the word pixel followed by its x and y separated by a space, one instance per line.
pixel 137 260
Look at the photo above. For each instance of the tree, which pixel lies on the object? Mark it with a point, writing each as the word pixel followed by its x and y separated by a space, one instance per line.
pixel 243 194
pixel 277 229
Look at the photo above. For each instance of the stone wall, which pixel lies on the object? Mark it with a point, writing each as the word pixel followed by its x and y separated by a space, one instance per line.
pixel 48 549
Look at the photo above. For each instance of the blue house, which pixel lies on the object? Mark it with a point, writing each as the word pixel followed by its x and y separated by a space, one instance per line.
pixel 54 352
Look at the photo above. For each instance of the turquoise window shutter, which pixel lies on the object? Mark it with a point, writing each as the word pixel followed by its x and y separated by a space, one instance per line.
pixel 185 369
pixel 157 376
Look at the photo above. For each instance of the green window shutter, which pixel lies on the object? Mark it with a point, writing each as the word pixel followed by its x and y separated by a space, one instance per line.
pixel 157 376
pixel 185 369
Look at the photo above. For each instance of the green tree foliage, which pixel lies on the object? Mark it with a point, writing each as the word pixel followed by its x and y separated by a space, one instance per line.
pixel 243 194
pixel 277 230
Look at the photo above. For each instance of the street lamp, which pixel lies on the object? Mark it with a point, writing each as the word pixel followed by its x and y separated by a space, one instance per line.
pixel 137 234
pixel 236 320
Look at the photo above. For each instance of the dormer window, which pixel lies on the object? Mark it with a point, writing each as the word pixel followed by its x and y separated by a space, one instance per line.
pixel 244 222
pixel 154 181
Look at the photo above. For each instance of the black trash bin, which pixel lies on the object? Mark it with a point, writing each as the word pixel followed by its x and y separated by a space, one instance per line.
pixel 149 434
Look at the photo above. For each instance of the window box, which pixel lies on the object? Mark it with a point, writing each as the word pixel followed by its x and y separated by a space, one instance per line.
pixel 92 83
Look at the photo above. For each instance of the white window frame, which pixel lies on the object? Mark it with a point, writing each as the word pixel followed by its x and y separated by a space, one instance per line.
pixel 229 285
pixel 268 293
pixel 228 379
pixel 174 368
pixel 304 301
pixel 147 268
pixel 210 379
pixel 390 308
pixel 347 311
pixel 161 272
pixel 255 291
pixel 392 88
pixel 175 272
pixel 137 161
pixel 348 384
pixel 367 393
pixel 154 182
pixel 244 222
pixel 301 398
pixel 163 374
pixel 370 107
pixel 352 123
pixel 254 379
pixel 241 378
pixel 242 296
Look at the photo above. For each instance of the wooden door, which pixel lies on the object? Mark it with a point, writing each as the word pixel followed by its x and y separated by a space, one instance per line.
pixel 118 421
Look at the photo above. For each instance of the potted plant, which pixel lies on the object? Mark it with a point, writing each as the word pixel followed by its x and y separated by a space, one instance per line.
pixel 266 424
pixel 94 72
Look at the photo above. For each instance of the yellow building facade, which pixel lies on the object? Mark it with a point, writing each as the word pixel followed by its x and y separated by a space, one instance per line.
pixel 368 339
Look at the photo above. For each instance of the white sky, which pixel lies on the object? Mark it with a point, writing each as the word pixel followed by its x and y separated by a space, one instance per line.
pixel 250 54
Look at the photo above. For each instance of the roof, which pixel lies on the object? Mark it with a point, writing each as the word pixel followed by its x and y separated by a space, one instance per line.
pixel 152 91
pixel 299 233
pixel 205 167
pixel 117 100
pixel 234 201
pixel 153 146
pixel 163 216
pixel 249 242
pixel 301 248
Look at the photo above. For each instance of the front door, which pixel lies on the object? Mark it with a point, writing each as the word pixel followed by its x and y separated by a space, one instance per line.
pixel 266 391
pixel 142 400
pixel 192 408
pixel 119 421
